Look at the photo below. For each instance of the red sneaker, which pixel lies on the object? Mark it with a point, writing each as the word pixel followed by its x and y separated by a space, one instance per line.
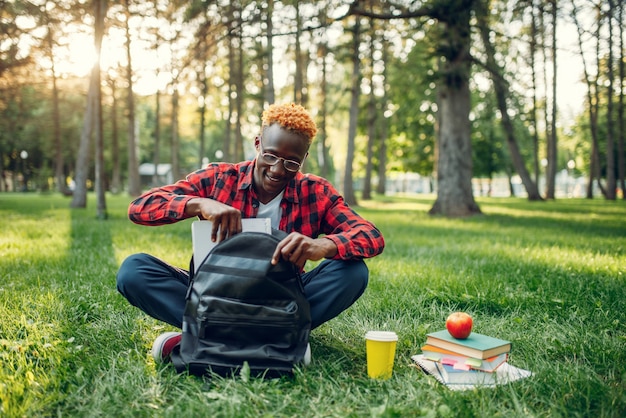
pixel 163 346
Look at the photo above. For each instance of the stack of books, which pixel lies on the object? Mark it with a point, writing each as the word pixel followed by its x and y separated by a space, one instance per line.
pixel 471 361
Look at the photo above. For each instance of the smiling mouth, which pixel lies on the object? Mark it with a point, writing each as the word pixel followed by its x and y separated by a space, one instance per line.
pixel 273 179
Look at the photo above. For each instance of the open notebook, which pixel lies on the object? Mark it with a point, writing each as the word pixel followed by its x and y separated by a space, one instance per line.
pixel 201 235
pixel 504 374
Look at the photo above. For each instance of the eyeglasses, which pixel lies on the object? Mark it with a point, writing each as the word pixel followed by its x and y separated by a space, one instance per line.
pixel 272 160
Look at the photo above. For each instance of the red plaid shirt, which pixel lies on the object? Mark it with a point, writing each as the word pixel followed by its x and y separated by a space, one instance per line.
pixel 310 206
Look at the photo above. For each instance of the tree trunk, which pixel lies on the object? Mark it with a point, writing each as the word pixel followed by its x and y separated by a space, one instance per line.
pixel 533 53
pixel 239 151
pixel 134 184
pixel 228 129
pixel 174 146
pixel 79 197
pixel 298 75
pixel 371 138
pixel 348 188
pixel 594 160
pixel 384 126
pixel 236 79
pixel 549 172
pixel 621 164
pixel 454 165
pixel 204 87
pixel 156 157
pixel 241 92
pixel 3 184
pixel 371 120
pixel 269 89
pixel 116 181
pixel 551 140
pixel 509 178
pixel 59 172
pixel 100 7
pixel 454 156
pixel 596 106
pixel 323 158
pixel 610 121
pixel 501 89
pixel 594 169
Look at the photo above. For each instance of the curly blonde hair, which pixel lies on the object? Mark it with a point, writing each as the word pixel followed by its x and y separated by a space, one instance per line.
pixel 293 117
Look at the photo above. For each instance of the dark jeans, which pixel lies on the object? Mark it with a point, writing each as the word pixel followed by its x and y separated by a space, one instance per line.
pixel 159 289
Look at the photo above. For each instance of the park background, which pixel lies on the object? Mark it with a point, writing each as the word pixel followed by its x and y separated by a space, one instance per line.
pixel 429 112
pixel 468 97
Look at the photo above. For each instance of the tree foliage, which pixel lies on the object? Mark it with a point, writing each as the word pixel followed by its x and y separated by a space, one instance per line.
pixel 214 65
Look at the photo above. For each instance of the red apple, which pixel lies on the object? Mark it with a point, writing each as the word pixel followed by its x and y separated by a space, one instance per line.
pixel 459 325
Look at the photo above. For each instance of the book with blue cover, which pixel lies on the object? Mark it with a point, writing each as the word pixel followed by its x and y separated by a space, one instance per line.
pixel 454 376
pixel 463 362
pixel 504 374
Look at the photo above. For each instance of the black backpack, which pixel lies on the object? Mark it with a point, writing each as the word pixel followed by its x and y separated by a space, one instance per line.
pixel 242 309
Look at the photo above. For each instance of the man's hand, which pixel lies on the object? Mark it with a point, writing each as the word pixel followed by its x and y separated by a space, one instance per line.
pixel 226 219
pixel 299 248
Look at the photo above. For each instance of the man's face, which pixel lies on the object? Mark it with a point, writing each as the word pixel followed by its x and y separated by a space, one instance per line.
pixel 272 174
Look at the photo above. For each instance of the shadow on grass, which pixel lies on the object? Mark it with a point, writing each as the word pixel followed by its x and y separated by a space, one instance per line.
pixel 109 323
pixel 545 228
pixel 62 317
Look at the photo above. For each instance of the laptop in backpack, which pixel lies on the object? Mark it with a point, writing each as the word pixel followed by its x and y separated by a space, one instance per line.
pixel 201 235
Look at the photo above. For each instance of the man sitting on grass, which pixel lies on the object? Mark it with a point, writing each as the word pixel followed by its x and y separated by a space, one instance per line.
pixel 270 186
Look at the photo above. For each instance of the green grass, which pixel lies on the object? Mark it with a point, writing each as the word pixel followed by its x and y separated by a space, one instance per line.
pixel 550 277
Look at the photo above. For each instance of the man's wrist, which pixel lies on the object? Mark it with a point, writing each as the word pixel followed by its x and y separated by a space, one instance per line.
pixel 330 247
pixel 192 207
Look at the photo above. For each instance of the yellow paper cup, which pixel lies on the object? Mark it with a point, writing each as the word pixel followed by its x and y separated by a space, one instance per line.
pixel 380 348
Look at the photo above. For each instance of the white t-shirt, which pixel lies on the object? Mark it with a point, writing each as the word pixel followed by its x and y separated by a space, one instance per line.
pixel 271 210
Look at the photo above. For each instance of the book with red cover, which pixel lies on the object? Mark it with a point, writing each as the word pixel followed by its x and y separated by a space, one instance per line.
pixel 458 361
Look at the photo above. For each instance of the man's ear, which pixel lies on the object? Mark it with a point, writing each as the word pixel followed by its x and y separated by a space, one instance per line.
pixel 257 142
